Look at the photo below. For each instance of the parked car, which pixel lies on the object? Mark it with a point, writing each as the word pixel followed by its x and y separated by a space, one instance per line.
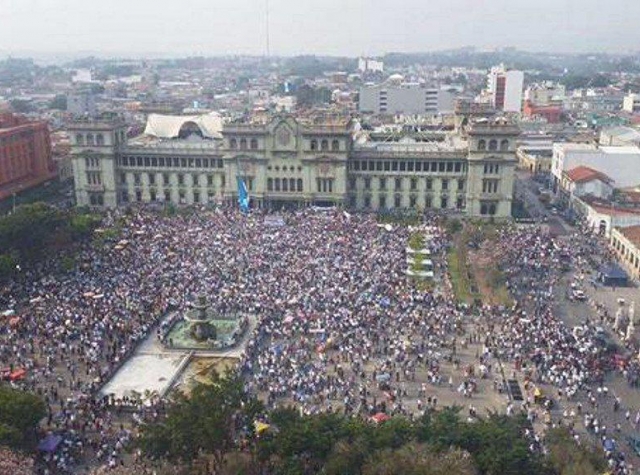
pixel 579 295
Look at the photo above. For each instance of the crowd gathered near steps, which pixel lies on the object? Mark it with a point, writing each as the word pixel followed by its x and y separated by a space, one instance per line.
pixel 339 325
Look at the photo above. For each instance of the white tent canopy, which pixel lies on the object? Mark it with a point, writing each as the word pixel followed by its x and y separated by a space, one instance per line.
pixel 169 126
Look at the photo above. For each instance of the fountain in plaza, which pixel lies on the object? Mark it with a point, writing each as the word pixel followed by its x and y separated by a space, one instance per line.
pixel 200 319
pixel 201 328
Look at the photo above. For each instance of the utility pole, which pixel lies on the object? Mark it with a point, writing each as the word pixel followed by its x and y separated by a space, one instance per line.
pixel 267 24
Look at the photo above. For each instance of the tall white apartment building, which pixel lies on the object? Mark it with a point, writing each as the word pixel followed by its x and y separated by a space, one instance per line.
pixel 631 103
pixel 505 88
pixel 370 65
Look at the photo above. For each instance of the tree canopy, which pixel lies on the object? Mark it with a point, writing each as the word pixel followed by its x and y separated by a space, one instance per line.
pixel 308 96
pixel 59 102
pixel 20 414
pixel 208 421
pixel 214 426
pixel 32 229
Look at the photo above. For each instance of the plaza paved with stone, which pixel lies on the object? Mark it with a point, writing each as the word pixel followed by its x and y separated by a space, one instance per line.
pixel 337 323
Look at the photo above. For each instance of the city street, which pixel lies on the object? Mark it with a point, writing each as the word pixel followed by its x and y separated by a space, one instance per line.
pixel 527 190
pixel 575 313
pixel 600 300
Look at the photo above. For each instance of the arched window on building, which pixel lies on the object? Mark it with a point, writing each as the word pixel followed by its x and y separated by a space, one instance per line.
pixel 314 144
pixel 254 144
pixel 90 139
pixel 285 185
pixel 233 143
pixel 100 140
pixel 292 184
pixel 243 144
pixel 79 139
pixel 300 185
pixel 504 145
pixel 482 144
pixel 190 128
pixel 324 145
pixel 335 145
pixel 493 145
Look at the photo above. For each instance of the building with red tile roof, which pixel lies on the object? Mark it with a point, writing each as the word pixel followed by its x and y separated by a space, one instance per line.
pixel 583 180
pixel 604 215
pixel 583 174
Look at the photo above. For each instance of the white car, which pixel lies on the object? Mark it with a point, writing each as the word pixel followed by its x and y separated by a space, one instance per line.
pixel 579 295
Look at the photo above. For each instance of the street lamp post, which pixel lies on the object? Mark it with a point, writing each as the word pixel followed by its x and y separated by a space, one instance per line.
pixel 14 198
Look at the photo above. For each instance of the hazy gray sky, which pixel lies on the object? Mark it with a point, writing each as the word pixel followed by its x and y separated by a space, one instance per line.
pixel 337 27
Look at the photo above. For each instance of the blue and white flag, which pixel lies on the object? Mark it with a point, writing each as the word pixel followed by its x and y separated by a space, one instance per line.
pixel 243 196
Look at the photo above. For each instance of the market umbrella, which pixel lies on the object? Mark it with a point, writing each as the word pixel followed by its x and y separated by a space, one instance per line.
pixel 50 443
pixel 260 427
pixel 380 417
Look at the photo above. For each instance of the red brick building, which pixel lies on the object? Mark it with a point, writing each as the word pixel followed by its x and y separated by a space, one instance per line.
pixel 25 154
pixel 552 114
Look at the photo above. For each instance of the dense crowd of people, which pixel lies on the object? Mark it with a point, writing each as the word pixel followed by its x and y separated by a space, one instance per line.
pixel 549 352
pixel 69 330
pixel 338 328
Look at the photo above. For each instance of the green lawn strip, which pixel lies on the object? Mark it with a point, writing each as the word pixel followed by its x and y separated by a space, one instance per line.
pixel 458 273
pixel 416 241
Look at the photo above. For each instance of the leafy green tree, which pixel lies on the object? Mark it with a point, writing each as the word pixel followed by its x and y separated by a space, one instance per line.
pixel 442 429
pixel 10 436
pixel 453 226
pixel 8 265
pixel 21 106
pixel 419 459
pixel 203 426
pixel 33 228
pixel 303 443
pixel 308 96
pixel 20 414
pixel 59 102
pixel 347 457
pixel 363 439
pixel 29 228
pixel 393 433
pixel 496 443
pixel 83 225
pixel 568 458
pixel 580 81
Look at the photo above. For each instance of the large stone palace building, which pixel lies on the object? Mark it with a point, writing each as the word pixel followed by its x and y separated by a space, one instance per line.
pixel 285 162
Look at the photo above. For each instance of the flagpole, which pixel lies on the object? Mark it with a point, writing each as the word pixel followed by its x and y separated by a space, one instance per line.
pixel 240 180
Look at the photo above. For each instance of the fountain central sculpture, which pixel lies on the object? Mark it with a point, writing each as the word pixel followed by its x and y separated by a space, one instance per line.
pixel 199 319
pixel 202 327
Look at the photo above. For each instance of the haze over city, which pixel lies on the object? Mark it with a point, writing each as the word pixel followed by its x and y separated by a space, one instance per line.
pixel 332 27
pixel 319 237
